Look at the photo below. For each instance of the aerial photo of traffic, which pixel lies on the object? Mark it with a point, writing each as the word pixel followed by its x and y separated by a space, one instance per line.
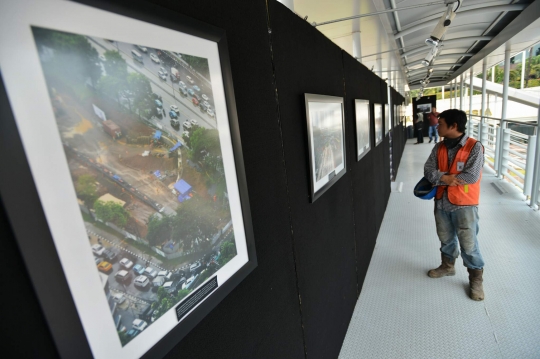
pixel 140 137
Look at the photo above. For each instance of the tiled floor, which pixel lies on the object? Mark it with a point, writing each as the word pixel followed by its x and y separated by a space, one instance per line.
pixel 402 313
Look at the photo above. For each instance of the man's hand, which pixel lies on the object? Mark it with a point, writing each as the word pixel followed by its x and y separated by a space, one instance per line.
pixel 452 180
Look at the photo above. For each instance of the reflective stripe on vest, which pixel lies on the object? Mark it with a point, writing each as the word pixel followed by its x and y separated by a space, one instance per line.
pixel 465 195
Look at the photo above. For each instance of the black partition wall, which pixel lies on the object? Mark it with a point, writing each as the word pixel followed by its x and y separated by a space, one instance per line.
pixel 312 257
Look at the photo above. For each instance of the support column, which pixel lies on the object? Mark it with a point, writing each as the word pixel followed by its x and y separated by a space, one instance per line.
pixel 483 109
pixel 471 77
pixel 461 92
pixel 506 80
pixel 379 67
pixel 455 93
pixel 523 55
pixel 356 46
pixel 288 3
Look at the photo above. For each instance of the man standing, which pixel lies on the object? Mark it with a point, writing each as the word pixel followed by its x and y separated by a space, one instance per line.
pixel 433 123
pixel 455 166
pixel 419 124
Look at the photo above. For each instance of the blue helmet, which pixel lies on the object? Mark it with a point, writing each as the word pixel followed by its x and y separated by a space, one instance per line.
pixel 424 189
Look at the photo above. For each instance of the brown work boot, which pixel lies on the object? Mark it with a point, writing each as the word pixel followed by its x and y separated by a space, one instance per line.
pixel 446 268
pixel 475 281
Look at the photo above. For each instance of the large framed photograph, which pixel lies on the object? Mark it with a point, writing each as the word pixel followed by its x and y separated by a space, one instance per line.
pixel 127 126
pixel 326 139
pixel 377 112
pixel 363 128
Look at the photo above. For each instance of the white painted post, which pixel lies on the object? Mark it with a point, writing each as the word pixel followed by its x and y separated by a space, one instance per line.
pixel 483 109
pixel 523 56
pixel 471 77
pixel 529 166
pixel 506 81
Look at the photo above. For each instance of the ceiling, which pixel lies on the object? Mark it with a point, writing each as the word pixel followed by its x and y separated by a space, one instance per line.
pixel 392 43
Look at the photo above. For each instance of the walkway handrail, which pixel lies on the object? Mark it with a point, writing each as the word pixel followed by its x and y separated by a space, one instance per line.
pixel 517 161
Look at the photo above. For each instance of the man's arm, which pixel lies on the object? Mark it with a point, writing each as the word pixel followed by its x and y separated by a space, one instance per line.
pixel 473 166
pixel 431 169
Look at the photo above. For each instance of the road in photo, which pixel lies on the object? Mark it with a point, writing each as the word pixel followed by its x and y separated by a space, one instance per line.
pixel 327 136
pixel 140 138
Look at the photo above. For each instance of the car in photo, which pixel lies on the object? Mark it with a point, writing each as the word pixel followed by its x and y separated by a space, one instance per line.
pixel 189 282
pixel 182 84
pixel 194 101
pixel 139 269
pixel 154 58
pixel 207 104
pixel 170 287
pixel 197 88
pixel 205 97
pixel 157 282
pixel 163 76
pixel 158 111
pixel 158 103
pixel 175 108
pixel 119 298
pixel 98 249
pixel 203 107
pixel 175 122
pixel 98 260
pixel 110 255
pixel 105 267
pixel 141 282
pixel 194 121
pixel 142 48
pixel 126 263
pixel 155 96
pixel 139 324
pixel 132 333
pixel 123 276
pixel 150 272
pixel 210 112
pixel 165 274
pixel 197 97
pixel 173 114
pixel 194 267
pixel 183 91
pixel 190 80
pixel 186 124
pixel 190 92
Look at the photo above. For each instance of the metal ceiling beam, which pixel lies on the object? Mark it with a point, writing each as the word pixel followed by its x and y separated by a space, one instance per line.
pixel 461 14
pixel 522 21
pixel 376 13
pixel 446 56
pixel 446 43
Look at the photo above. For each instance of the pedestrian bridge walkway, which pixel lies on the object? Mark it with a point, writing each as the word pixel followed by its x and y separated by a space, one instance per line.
pixel 402 313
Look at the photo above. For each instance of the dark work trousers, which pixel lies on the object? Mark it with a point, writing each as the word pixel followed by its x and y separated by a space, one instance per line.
pixel 420 135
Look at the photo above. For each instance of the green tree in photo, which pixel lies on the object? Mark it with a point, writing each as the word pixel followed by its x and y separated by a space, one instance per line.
pixel 115 65
pixel 228 252
pixel 74 56
pixel 159 229
pixel 111 212
pixel 199 64
pixel 86 188
pixel 139 85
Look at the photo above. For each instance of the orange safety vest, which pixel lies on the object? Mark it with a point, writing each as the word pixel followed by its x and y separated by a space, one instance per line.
pixel 465 195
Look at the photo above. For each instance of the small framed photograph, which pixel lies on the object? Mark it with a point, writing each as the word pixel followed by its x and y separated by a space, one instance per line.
pixel 377 111
pixel 387 119
pixel 326 140
pixel 423 108
pixel 363 128
pixel 119 117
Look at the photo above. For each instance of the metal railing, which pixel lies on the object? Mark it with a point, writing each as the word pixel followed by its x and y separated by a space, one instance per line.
pixel 510 152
